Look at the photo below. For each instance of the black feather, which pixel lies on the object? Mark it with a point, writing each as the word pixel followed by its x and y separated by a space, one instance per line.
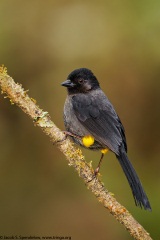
pixel 97 115
pixel 138 192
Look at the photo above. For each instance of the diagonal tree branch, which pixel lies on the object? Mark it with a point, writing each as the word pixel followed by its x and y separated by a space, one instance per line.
pixel 74 156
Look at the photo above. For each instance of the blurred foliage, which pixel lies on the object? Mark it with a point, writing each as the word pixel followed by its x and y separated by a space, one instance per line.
pixel 41 42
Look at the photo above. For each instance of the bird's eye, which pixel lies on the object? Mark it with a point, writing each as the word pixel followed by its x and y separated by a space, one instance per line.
pixel 80 81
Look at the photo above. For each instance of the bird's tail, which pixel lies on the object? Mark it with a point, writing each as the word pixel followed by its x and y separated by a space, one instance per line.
pixel 138 192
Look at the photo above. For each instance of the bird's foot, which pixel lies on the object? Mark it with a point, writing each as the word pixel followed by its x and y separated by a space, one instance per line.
pixel 63 139
pixel 66 133
pixel 96 171
pixel 71 134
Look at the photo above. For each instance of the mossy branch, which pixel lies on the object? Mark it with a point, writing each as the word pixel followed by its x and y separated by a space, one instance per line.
pixel 18 96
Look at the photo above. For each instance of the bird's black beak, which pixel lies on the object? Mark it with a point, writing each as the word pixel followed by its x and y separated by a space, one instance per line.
pixel 68 84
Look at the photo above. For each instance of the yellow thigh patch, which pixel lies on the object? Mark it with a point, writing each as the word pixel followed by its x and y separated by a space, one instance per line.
pixel 88 140
pixel 104 151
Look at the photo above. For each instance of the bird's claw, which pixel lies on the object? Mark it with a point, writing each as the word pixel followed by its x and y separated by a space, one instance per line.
pixel 96 171
pixel 61 140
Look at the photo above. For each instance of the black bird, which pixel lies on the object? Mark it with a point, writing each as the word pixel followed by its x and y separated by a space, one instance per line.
pixel 92 122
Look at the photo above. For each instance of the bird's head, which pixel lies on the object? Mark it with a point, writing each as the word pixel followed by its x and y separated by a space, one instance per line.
pixel 81 80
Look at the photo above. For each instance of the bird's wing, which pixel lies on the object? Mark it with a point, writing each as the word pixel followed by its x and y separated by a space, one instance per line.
pixel 98 116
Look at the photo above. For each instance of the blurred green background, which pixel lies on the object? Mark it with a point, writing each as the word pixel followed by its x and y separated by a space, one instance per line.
pixel 41 42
